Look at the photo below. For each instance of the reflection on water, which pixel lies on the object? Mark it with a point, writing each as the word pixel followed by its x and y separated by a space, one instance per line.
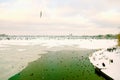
pixel 60 65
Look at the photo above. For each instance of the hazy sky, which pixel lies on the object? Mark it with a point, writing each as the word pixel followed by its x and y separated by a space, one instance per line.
pixel 79 17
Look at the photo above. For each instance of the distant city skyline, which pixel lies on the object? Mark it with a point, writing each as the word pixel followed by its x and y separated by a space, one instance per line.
pixel 59 17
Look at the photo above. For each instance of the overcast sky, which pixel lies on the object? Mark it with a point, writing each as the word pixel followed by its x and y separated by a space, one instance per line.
pixel 59 17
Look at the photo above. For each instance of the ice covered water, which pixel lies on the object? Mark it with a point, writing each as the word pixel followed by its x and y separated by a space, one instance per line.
pixel 16 54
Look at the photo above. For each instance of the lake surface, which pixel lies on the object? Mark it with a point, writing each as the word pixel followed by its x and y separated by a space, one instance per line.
pixel 60 65
pixel 16 54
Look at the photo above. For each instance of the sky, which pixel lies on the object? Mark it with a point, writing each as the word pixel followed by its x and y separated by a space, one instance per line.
pixel 59 17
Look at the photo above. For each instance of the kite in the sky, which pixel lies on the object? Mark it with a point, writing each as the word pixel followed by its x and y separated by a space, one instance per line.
pixel 40 14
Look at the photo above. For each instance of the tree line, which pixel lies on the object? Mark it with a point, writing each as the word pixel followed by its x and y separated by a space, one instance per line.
pixel 107 36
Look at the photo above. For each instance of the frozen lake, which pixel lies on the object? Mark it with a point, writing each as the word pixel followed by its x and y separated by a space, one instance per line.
pixel 16 54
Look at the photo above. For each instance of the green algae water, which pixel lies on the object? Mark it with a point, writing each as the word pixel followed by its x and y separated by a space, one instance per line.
pixel 60 65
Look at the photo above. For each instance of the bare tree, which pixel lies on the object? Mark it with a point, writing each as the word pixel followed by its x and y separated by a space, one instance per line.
pixel 118 36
